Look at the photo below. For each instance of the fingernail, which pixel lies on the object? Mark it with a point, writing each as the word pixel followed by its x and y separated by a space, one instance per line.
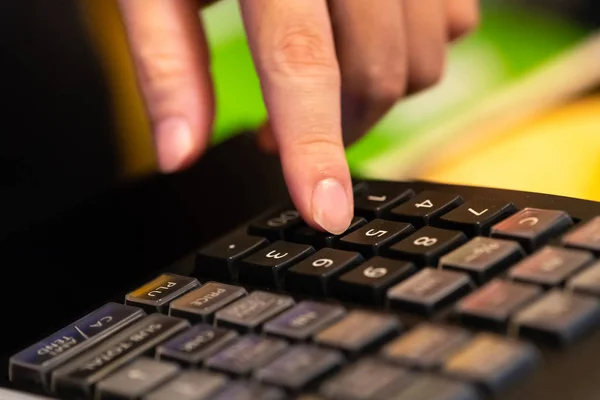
pixel 174 143
pixel 330 206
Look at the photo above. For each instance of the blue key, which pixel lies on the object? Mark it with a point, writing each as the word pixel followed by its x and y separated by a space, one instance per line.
pixel 304 320
pixel 246 354
pixel 250 391
pixel 33 365
pixel 300 366
pixel 196 344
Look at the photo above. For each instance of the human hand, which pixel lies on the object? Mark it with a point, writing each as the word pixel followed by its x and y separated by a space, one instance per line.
pixel 325 66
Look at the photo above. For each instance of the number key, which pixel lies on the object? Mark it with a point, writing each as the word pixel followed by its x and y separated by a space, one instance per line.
pixel 379 198
pixel 274 226
pixel 313 275
pixel 265 268
pixel 427 205
pixel 476 216
pixel 370 238
pixel 586 237
pixel 369 282
pixel 426 245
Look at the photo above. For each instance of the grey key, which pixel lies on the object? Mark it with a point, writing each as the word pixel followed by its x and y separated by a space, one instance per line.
pixel 359 331
pixel 550 266
pixel 586 236
pixel 156 295
pixel 435 388
pixel 587 281
pixel 300 366
pixel 136 379
pixel 559 318
pixel 79 376
pixel 493 304
pixel 9 394
pixel 249 390
pixel 483 258
pixel 246 354
pixel 492 362
pixel 363 380
pixel 532 227
pixel 429 290
pixel 248 313
pixel 427 346
pixel 201 304
pixel 190 385
pixel 196 344
pixel 304 320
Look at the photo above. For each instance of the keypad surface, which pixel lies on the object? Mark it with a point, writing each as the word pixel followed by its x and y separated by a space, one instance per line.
pixel 429 294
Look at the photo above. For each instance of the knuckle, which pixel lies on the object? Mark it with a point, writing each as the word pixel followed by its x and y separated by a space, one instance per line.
pixel 303 52
pixel 319 147
pixel 463 23
pixel 160 69
pixel 384 86
pixel 426 75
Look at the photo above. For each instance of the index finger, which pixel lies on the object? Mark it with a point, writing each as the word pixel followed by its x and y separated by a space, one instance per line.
pixel 294 52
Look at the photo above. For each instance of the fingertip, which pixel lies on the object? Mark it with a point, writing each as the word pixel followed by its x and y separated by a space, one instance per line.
pixel 331 206
pixel 177 145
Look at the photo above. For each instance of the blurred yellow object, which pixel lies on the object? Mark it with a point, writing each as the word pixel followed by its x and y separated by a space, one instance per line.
pixel 557 153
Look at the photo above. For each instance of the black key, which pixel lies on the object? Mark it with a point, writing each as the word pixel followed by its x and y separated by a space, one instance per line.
pixel 314 274
pixel 195 345
pixel 304 320
pixel 240 390
pixel 483 258
pixel 156 295
pixel 219 259
pixel 359 331
pixel 491 306
pixel 201 304
pixel 246 354
pixel 587 281
pixel 559 318
pixel 135 380
pixel 369 282
pixel 550 266
pixel 429 290
pixel 318 239
pixel 299 367
pixel 493 363
pixel 586 237
pixel 427 245
pixel 363 380
pixel 249 313
pixel 275 225
pixel 476 216
pixel 425 207
pixel 427 346
pixel 190 385
pixel 266 267
pixel 370 238
pixel 380 198
pixel 430 387
pixel 532 227
pixel 78 377
pixel 32 366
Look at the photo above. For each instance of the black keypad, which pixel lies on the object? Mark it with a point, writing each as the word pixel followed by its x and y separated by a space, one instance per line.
pixel 276 225
pixel 265 268
pixel 369 282
pixel 376 200
pixel 425 246
pixel 218 260
pixel 314 274
pixel 533 227
pixel 559 318
pixel 483 258
pixel 476 216
pixel 319 239
pixel 378 233
pixel 551 266
pixel 425 207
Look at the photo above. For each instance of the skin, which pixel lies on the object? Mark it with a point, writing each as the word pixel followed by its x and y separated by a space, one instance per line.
pixel 309 55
